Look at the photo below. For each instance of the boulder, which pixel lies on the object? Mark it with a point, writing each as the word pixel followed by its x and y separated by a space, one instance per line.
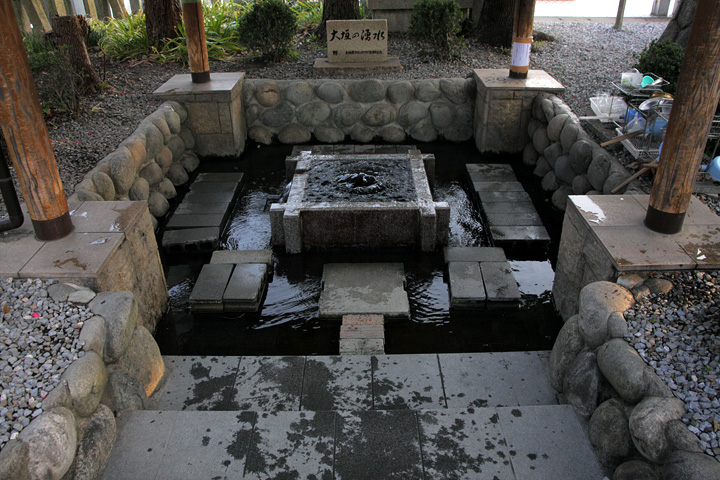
pixel 392 134
pixel 542 167
pixel 427 90
pixel 279 115
pixel 260 135
pixel 609 432
pixel 135 144
pixel 187 137
pixel 581 384
pixel 598 170
pixel 581 154
pixel 635 470
pixel 549 182
pixel 400 92
pixel 152 173
pixel 267 93
pixel 442 114
pixel 540 139
pixel 647 425
pixel 347 114
pixel 329 134
pixel 294 134
pixel 164 158
pixel 690 466
pixel 581 185
pixel 86 379
pixel 533 124
pixel 597 301
pixel 313 113
pixel 629 280
pixel 157 118
pixel 164 188
pixel 362 134
pixel 379 114
pixel 143 360
pixel 367 91
pixel 93 335
pixel 564 171
pixel 13 461
pixel 568 345
pixel 299 93
pixel 623 368
pixel 658 286
pixel 122 170
pixel 548 109
pixel 560 197
pixel 569 136
pixel 680 438
pixel 331 92
pixel 454 89
pixel 123 391
pixel 190 161
pixel 154 139
pixel 412 113
pixel 555 127
pixel 177 147
pixel 424 131
pixel 51 440
pixel 120 311
pixel 530 155
pixel 177 174
pixel 617 326
pixel 95 444
pixel 552 153
pixel 104 185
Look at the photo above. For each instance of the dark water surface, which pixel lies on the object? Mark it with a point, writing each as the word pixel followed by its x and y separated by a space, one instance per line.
pixel 288 323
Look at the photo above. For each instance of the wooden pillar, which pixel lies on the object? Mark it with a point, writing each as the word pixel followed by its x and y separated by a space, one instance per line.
pixel 118 8
pixel 21 16
pixel 196 41
pixel 696 98
pixel 620 15
pixel 522 38
pixel 35 10
pixel 134 6
pixel 27 137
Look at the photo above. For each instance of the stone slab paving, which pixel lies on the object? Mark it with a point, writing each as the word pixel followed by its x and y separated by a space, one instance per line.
pixel 362 417
pixel 480 277
pixel 511 186
pixel 235 177
pixel 500 284
pixel 474 254
pixel 242 256
pixel 529 233
pixel 191 240
pixel 207 294
pixel 514 219
pixel 196 220
pixel 507 208
pixel 245 288
pixel 201 209
pixel 204 186
pixel 360 288
pixel 466 285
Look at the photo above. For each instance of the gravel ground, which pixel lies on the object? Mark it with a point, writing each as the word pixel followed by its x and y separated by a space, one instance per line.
pixel 679 332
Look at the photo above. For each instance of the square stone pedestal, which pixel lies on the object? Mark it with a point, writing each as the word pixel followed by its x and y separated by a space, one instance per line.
pixel 604 236
pixel 215 111
pixel 503 106
pixel 112 248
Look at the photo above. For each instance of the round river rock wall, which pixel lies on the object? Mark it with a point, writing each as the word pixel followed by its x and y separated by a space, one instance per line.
pixel 333 111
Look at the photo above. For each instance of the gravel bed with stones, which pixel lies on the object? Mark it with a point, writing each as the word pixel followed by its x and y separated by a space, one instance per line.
pixel 678 334
pixel 38 341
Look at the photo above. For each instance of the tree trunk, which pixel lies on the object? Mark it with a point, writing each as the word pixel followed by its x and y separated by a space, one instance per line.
pixel 69 33
pixel 678 29
pixel 161 19
pixel 336 10
pixel 495 26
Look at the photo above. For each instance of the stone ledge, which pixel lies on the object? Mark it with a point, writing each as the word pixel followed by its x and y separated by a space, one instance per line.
pixel 323 67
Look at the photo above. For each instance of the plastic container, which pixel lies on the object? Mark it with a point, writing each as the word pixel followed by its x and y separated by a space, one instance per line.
pixel 631 79
pixel 608 108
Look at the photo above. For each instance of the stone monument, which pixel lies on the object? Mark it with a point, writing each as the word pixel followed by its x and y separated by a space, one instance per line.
pixel 357 46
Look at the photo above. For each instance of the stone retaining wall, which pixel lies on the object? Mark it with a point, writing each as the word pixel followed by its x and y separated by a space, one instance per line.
pixel 331 111
pixel 566 158
pixel 121 367
pixel 146 166
pixel 634 419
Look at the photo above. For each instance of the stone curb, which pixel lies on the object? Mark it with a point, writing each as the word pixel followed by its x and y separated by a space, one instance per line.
pixel 633 417
pixel 76 431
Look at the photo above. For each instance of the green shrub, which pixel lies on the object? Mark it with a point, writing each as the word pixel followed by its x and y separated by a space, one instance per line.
pixel 438 23
pixel 308 12
pixel 126 37
pixel 663 58
pixel 269 28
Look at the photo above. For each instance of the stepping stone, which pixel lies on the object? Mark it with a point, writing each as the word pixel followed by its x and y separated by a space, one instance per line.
pixel 490 197
pixel 210 187
pixel 187 208
pixel 467 290
pixel 195 221
pixel 358 288
pixel 234 177
pixel 498 187
pixel 242 256
pixel 207 294
pixel 209 197
pixel 474 254
pixel 191 240
pixel 486 172
pixel 513 219
pixel 509 208
pixel 245 290
pixel 506 234
pixel 500 284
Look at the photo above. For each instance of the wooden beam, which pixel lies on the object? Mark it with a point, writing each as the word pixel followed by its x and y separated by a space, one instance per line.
pixel 21 16
pixel 118 8
pixel 196 41
pixel 696 98
pixel 522 38
pixel 27 137
pixel 36 14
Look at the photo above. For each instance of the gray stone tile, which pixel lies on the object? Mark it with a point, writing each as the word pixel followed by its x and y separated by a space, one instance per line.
pixel 362 346
pixel 377 445
pixel 635 247
pixel 491 172
pixel 530 381
pixel 337 383
pixel 519 234
pixel 209 197
pixel 140 445
pixel 361 288
pixel 213 187
pixel 242 256
pixel 467 290
pixel 474 254
pixel 100 217
pixel 207 445
pixel 234 177
pixel 498 187
pixel 195 221
pixel 490 197
pixel 548 442
pixel 609 210
pixel 269 383
pixel 201 209
pixel 699 213
pixel 198 383
pixel 18 247
pixel 407 382
pixel 298 445
pixel 207 294
pixel 191 239
pixel 702 244
pixel 513 219
pixel 464 445
pixel 245 288
pixel 500 284
pixel 509 207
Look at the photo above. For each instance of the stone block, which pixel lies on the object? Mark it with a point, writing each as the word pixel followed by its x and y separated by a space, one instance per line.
pixel 245 288
pixel 500 284
pixel 191 240
pixel 467 290
pixel 207 294
pixel 357 41
pixel 474 254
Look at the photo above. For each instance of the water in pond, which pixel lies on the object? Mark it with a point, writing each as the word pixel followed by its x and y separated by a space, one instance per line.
pixel 288 323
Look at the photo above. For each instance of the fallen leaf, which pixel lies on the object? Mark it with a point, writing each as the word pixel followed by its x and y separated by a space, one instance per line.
pixel 6 309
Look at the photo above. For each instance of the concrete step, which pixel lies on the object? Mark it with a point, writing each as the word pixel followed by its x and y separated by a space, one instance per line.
pixel 486 415
pixel 480 277
pixel 191 240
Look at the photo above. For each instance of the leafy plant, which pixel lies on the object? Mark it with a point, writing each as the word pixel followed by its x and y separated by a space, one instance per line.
pixel 126 37
pixel 308 12
pixel 663 58
pixel 437 22
pixel 269 28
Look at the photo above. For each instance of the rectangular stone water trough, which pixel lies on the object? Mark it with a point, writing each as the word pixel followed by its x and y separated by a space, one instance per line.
pixel 389 203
